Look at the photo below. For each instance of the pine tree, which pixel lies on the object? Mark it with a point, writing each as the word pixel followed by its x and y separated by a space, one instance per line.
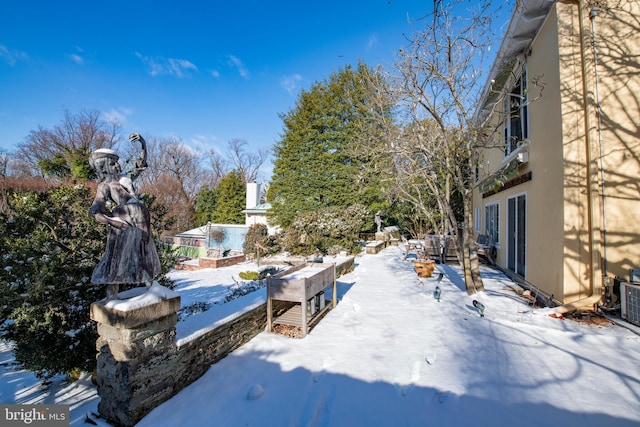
pixel 231 199
pixel 49 249
pixel 205 205
pixel 315 166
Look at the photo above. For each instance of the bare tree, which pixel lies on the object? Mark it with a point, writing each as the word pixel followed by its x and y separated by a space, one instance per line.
pixel 176 173
pixel 183 164
pixel 64 149
pixel 218 168
pixel 247 163
pixel 174 176
pixel 4 163
pixel 436 82
pixel 238 158
pixel 168 191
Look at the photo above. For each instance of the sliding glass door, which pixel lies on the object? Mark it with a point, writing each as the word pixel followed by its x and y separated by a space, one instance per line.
pixel 517 234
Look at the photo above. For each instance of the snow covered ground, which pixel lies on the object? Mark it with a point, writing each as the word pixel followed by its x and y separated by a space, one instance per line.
pixel 390 354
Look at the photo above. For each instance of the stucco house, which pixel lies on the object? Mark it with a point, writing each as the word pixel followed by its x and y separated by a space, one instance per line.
pixel 561 194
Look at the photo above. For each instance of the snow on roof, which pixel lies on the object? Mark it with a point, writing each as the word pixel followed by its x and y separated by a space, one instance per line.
pixel 261 208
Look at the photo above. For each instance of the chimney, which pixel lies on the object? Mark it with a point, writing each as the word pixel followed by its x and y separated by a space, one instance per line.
pixel 253 195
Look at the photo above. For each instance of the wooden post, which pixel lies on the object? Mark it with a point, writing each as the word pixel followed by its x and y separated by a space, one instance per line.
pixel 269 314
pixel 304 326
pixel 334 298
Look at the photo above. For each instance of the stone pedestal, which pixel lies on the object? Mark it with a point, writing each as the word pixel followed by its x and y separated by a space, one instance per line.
pixel 135 335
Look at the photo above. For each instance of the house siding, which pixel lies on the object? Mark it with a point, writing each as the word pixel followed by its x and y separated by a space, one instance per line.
pixel 618 49
pixel 565 212
pixel 545 197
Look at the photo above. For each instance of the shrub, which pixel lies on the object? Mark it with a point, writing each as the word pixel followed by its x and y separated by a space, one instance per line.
pixel 328 230
pixel 258 235
pixel 258 275
pixel 216 235
pixel 249 275
pixel 268 271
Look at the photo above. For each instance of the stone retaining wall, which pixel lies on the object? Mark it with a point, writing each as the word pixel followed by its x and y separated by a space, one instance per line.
pixel 139 365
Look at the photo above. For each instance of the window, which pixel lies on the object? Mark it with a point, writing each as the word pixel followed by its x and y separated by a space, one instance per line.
pixel 492 221
pixel 516 128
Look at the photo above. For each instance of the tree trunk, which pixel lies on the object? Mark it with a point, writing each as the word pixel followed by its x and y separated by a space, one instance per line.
pixel 470 262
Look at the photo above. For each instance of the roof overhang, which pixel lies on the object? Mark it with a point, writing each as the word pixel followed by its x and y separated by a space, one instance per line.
pixel 526 21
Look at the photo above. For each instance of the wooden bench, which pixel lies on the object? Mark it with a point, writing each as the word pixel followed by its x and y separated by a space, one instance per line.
pixel 434 248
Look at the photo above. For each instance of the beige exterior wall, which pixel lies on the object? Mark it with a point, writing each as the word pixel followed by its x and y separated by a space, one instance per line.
pixel 576 115
pixel 544 193
pixel 545 215
pixel 618 49
pixel 564 214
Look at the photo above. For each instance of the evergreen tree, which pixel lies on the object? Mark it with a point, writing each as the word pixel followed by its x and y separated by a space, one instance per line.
pixel 231 196
pixel 49 247
pixel 328 230
pixel 315 166
pixel 205 205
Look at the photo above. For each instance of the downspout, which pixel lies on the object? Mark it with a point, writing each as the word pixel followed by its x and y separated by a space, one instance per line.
pixel 592 15
pixel 590 302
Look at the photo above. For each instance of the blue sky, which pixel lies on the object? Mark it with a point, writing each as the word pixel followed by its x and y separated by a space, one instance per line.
pixel 201 71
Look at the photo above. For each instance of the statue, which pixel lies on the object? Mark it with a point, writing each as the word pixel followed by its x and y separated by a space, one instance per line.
pixel 378 220
pixel 130 256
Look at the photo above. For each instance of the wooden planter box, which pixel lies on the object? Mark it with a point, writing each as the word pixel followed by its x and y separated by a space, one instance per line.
pixel 300 284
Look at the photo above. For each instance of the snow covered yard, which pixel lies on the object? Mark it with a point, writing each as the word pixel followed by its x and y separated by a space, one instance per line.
pixel 390 354
pixel 21 386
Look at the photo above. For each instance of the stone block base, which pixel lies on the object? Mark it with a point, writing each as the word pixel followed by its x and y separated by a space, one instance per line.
pixel 136 339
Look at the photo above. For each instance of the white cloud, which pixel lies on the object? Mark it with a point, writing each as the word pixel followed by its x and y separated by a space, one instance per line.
pixel 180 68
pixel 118 116
pixel 11 56
pixel 202 143
pixel 215 73
pixel 291 83
pixel 372 42
pixel 191 150
pixel 237 63
pixel 77 59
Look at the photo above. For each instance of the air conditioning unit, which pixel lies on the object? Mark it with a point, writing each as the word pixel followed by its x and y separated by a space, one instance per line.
pixel 630 302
